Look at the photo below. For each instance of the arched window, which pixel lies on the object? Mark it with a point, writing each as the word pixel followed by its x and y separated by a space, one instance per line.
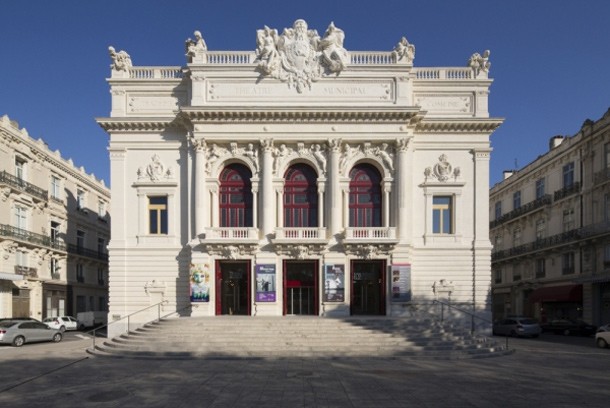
pixel 235 196
pixel 300 197
pixel 364 196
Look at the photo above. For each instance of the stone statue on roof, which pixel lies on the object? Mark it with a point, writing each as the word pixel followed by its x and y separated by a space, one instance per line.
pixel 121 61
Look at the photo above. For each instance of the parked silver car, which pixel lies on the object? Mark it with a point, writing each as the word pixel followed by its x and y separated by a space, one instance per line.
pixel 19 332
pixel 517 327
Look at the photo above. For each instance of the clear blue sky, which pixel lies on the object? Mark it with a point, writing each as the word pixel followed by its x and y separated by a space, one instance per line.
pixel 550 58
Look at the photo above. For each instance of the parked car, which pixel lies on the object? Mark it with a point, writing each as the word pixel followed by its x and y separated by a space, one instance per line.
pixel 19 318
pixel 602 338
pixel 61 323
pixel 517 326
pixel 569 327
pixel 19 332
pixel 604 327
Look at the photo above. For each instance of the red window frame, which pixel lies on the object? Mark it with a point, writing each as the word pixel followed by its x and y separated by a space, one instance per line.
pixel 235 198
pixel 364 196
pixel 300 197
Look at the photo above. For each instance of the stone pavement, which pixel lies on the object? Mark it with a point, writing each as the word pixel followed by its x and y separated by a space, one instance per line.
pixel 539 374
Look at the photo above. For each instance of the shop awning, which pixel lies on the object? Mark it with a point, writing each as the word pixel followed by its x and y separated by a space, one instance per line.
pixel 10 276
pixel 565 293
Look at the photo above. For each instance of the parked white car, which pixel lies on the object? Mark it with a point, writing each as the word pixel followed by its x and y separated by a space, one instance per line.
pixel 61 323
pixel 602 337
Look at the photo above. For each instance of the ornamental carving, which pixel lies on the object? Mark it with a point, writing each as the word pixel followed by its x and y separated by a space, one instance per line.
pixel 404 52
pixel 195 48
pixel 121 61
pixel 382 153
pixel 315 153
pixel 216 155
pixel 479 63
pixel 299 56
pixel 442 170
pixel 155 171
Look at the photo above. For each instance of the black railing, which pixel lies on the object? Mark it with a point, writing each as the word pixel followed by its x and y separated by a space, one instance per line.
pixel 567 191
pixel 554 240
pixel 524 209
pixel 89 253
pixel 601 176
pixel 31 237
pixel 22 185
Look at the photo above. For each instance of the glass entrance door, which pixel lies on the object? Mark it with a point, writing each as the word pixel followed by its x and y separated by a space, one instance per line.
pixel 368 294
pixel 233 287
pixel 300 288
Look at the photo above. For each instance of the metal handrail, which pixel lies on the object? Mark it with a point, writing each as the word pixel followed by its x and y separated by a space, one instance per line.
pixel 471 314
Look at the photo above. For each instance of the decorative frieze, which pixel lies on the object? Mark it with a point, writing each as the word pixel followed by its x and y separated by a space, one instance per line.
pixel 155 171
pixel 442 170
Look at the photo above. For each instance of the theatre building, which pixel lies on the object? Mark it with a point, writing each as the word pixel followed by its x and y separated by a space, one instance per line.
pixel 299 178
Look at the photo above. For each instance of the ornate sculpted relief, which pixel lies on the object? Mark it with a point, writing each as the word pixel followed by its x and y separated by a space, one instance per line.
pixel 155 171
pixel 299 56
pixel 442 170
pixel 382 153
pixel 121 61
pixel 195 48
pixel 404 52
pixel 316 153
pixel 217 154
pixel 479 63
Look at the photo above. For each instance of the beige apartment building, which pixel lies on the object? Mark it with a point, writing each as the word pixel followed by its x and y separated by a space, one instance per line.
pixel 550 225
pixel 54 229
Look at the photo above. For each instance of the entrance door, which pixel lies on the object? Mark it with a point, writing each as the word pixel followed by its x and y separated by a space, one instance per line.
pixel 21 302
pixel 300 287
pixel 368 293
pixel 232 287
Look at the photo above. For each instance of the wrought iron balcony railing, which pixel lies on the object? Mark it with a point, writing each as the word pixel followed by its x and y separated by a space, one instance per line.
pixel 540 244
pixel 31 237
pixel 601 176
pixel 524 209
pixel 22 185
pixel 567 191
pixel 89 253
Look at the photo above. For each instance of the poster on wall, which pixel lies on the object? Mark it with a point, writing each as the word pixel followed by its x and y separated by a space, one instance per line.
pixel 400 281
pixel 200 283
pixel 334 283
pixel 265 283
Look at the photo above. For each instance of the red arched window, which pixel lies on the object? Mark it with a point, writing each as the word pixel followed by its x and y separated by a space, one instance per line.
pixel 300 197
pixel 235 196
pixel 364 196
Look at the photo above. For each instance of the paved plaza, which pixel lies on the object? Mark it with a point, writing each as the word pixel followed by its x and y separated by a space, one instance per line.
pixel 552 371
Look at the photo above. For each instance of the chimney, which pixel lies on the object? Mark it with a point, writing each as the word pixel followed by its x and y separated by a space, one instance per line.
pixel 555 141
pixel 508 173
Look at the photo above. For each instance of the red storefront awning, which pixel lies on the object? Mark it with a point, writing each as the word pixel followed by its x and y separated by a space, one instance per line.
pixel 565 293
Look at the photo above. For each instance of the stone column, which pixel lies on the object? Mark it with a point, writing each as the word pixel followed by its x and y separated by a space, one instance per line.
pixel 335 199
pixel 267 197
pixel 320 205
pixel 386 204
pixel 199 185
pixel 403 187
pixel 215 207
pixel 254 204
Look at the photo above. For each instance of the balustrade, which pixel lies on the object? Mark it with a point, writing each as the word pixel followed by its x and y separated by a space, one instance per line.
pixel 300 233
pixel 223 233
pixel 368 233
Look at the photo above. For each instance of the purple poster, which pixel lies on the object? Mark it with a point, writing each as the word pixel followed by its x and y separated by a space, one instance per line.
pixel 265 283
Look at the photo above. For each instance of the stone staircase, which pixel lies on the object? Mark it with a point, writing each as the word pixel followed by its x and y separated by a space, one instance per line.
pixel 223 337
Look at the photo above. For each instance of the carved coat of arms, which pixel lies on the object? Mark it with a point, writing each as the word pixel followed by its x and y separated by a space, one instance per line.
pixel 299 56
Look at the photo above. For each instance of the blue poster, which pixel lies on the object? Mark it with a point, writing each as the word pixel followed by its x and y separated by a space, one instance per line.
pixel 265 283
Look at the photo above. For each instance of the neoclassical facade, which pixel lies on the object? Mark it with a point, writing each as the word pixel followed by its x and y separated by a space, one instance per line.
pixel 299 178
pixel 54 228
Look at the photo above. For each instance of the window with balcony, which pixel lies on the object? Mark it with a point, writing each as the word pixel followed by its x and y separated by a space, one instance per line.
pixel 80 199
pixel 55 188
pixel 364 196
pixel 498 210
pixel 540 268
pixel 80 239
pixel 20 169
pixel 235 196
pixel 54 231
pixel 540 228
pixel 516 273
pixel 568 175
pixel 567 263
pixel 568 219
pixel 80 274
pixel 516 200
pixel 21 217
pixel 540 188
pixel 157 215
pixel 517 237
pixel 498 276
pixel 442 215
pixel 300 197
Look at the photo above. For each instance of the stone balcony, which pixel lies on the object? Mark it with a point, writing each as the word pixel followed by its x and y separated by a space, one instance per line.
pixel 300 235
pixel 235 235
pixel 370 235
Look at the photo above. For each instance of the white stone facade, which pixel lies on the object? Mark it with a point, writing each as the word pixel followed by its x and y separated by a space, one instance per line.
pixel 54 229
pixel 299 105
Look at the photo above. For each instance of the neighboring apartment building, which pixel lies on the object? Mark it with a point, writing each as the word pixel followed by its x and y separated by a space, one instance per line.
pixel 550 225
pixel 299 179
pixel 54 230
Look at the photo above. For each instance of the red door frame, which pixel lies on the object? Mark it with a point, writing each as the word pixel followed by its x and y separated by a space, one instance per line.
pixel 286 285
pixel 382 287
pixel 218 274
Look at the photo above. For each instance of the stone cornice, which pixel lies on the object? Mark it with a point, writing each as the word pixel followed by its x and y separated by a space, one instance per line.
pixel 300 114
pixel 138 124
pixel 474 125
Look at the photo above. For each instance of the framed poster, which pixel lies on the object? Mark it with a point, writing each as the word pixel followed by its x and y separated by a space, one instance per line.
pixel 400 282
pixel 265 283
pixel 200 283
pixel 334 283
